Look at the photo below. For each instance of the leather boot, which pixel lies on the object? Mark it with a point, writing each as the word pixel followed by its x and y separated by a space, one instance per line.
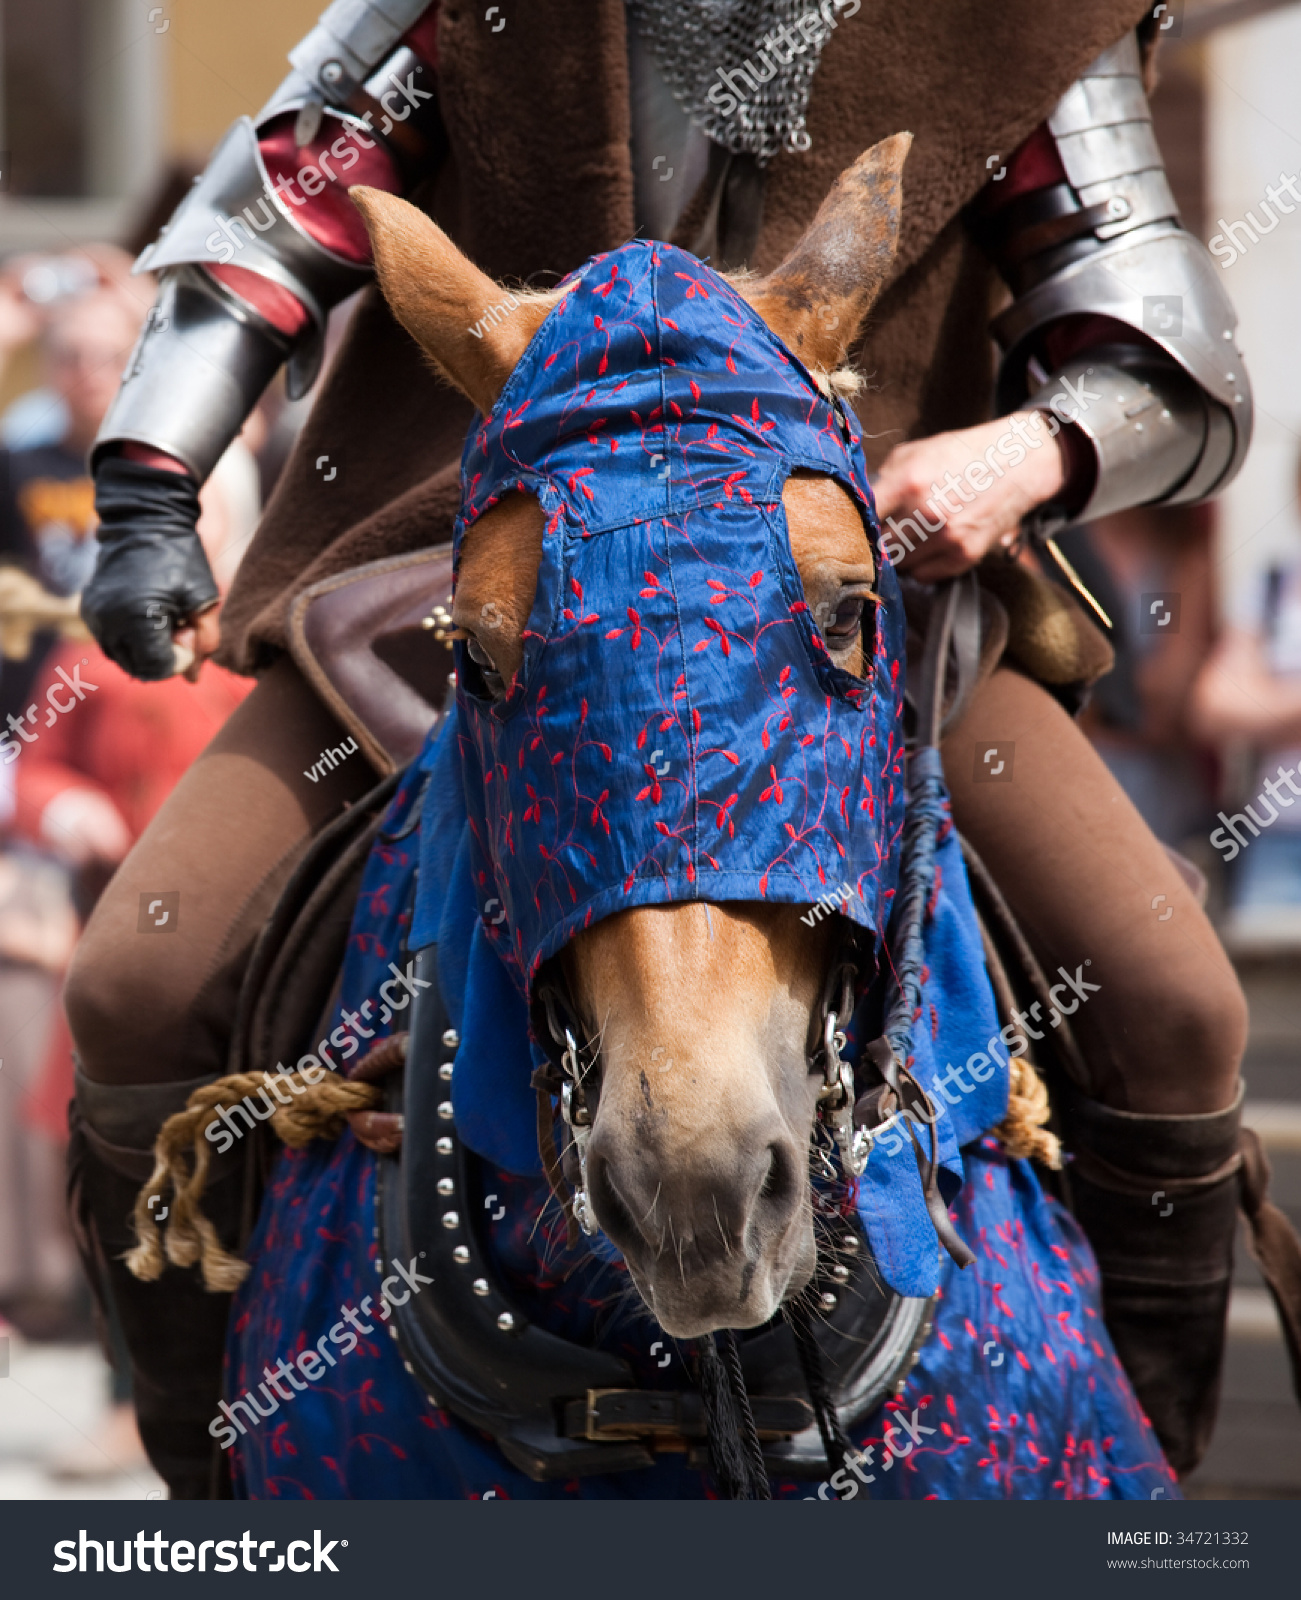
pixel 174 1329
pixel 1158 1197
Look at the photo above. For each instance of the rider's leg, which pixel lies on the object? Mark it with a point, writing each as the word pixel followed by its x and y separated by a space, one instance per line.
pixel 1163 1034
pixel 1094 889
pixel 154 1005
pixel 151 1006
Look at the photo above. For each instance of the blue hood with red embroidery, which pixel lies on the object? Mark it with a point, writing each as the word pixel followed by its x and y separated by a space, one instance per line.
pixel 677 729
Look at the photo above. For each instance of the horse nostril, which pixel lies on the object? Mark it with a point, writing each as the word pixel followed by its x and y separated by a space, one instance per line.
pixel 615 1218
pixel 779 1184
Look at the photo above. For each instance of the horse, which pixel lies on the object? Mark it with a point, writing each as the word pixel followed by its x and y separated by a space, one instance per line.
pixel 631 1160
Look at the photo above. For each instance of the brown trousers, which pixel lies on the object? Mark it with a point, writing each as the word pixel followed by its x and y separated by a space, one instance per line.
pixel 1164 1032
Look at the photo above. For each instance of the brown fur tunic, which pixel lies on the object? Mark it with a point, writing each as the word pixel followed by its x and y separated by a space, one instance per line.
pixel 538 178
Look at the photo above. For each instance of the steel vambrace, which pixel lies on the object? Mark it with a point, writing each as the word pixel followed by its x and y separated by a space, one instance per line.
pixel 1169 414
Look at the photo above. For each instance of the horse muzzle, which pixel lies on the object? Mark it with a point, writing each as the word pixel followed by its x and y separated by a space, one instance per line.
pixel 715 1237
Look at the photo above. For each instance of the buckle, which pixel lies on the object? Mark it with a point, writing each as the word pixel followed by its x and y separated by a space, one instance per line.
pixel 671 1419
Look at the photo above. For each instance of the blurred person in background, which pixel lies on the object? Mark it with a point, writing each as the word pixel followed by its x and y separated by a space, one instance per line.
pixel 84 772
pixel 83 326
pixel 32 289
pixel 1247 700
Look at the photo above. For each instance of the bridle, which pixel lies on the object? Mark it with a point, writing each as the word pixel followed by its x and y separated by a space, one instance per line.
pixel 846 1122
pixel 850 1122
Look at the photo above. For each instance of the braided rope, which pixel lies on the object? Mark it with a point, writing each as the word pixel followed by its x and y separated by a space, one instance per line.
pixel 1022 1131
pixel 316 1111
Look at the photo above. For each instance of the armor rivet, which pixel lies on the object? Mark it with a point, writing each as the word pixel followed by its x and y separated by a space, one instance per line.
pixel 451 1038
pixel 840 1274
pixel 481 1287
pixel 406 1364
pixel 461 1256
pixel 451 1219
pixel 828 1301
pixel 506 1322
pixel 444 1146
pixel 427 622
pixel 445 1110
pixel 332 72
pixel 1230 377
pixel 445 1071
pixel 849 1243
pixel 446 1186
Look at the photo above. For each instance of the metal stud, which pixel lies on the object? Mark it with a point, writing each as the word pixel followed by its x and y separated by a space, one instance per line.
pixel 332 72
pixel 461 1256
pixel 445 1110
pixel 849 1244
pixel 506 1322
pixel 828 1301
pixel 451 1038
pixel 445 1071
pixel 451 1219
pixel 840 1274
pixel 480 1287
pixel 444 1146
pixel 446 1186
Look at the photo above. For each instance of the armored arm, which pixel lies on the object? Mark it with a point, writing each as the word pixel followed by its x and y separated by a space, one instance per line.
pixel 1118 323
pixel 249 266
pixel 252 260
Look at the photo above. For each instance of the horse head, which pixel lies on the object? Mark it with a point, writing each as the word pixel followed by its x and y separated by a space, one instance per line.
pixel 665 505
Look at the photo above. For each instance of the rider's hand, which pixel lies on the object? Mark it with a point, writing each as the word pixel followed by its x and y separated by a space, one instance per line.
pixel 1014 460
pixel 152 579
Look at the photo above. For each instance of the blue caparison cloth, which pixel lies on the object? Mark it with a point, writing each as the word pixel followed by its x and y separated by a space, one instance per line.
pixel 1018 1393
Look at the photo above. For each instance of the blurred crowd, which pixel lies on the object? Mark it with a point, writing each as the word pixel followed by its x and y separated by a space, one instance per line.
pixel 87 754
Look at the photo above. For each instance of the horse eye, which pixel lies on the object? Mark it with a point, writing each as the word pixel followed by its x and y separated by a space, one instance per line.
pixel 845 622
pixel 491 679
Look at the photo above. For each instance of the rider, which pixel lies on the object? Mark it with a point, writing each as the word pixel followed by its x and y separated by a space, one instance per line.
pixel 724 143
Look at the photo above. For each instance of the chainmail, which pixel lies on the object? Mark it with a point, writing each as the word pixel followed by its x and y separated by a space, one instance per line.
pixel 693 40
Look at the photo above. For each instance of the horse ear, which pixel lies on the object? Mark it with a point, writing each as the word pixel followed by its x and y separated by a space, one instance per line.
pixel 817 298
pixel 472 329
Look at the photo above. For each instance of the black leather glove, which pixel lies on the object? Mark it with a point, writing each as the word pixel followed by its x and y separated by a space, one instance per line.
pixel 152 572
